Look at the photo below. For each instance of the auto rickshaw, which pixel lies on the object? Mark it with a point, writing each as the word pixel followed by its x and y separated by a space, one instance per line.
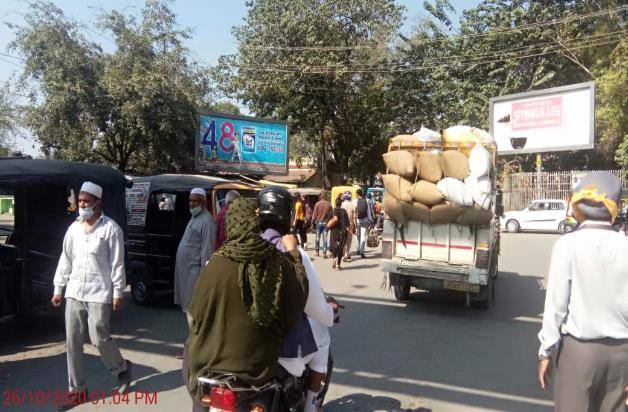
pixel 158 213
pixel 339 190
pixel 45 203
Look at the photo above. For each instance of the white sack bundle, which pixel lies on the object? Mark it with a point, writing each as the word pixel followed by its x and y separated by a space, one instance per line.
pixel 455 191
pixel 479 161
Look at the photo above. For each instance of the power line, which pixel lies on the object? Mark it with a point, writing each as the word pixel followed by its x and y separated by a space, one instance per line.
pixel 12 62
pixel 439 61
pixel 422 67
pixel 13 56
pixel 444 38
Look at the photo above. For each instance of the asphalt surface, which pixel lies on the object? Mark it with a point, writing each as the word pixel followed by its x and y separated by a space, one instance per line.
pixel 430 354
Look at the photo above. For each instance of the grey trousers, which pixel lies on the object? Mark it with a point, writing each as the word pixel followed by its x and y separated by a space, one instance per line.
pixel 591 375
pixel 93 318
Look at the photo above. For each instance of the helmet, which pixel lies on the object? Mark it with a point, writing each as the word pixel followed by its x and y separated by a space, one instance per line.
pixel 347 195
pixel 275 208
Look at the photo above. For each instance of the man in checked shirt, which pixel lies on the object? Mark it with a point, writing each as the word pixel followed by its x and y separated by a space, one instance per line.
pixel 91 269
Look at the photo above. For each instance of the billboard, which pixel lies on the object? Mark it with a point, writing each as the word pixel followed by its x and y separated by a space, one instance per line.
pixel 239 144
pixel 561 118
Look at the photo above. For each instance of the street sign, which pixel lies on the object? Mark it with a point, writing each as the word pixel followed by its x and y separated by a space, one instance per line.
pixel 240 144
pixel 547 120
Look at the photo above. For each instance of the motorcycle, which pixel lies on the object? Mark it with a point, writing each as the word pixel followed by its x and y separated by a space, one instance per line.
pixel 223 392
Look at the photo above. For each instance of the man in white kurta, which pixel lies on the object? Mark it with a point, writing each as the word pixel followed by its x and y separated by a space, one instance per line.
pixel 195 249
pixel 91 269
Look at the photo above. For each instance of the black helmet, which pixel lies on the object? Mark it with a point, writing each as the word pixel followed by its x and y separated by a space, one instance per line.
pixel 275 208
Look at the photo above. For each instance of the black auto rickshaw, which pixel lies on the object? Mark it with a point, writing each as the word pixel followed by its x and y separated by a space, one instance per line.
pixel 158 213
pixel 44 198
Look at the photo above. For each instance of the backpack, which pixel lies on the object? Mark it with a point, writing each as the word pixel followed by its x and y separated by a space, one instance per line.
pixel 362 209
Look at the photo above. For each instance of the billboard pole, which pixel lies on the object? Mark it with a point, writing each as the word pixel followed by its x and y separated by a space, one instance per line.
pixel 539 176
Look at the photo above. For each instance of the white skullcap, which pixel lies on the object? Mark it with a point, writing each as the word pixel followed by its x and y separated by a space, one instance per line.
pixel 198 191
pixel 231 196
pixel 92 188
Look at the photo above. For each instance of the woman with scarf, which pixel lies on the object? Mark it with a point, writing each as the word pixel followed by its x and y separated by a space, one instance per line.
pixel 339 234
pixel 245 302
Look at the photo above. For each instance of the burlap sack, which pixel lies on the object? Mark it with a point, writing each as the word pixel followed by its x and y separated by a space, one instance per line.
pixel 429 166
pixel 455 164
pixel 398 187
pixel 417 212
pixel 447 213
pixel 475 216
pixel 393 209
pixel 400 162
pixel 426 193
pixel 407 138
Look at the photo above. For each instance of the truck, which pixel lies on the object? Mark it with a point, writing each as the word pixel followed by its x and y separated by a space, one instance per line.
pixel 461 258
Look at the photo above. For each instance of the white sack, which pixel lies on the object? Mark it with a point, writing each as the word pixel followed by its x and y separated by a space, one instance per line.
pixel 427 135
pixel 480 190
pixel 479 161
pixel 455 191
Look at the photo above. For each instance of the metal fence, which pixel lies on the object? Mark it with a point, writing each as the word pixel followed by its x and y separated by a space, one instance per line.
pixel 521 188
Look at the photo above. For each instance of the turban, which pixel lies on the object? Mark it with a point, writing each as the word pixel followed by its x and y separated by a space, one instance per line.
pixel 597 197
pixel 93 189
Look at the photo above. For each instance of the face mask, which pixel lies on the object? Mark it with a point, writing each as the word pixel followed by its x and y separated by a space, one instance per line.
pixel 195 211
pixel 86 212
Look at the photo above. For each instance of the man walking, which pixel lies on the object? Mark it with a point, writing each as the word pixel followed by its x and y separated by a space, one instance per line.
pixel 195 249
pixel 321 215
pixel 298 222
pixel 363 217
pixel 585 322
pixel 347 205
pixel 91 269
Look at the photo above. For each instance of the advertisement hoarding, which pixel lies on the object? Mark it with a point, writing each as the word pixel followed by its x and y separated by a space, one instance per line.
pixel 239 144
pixel 561 118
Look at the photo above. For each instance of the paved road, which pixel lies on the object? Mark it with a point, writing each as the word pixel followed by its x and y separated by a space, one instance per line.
pixel 430 354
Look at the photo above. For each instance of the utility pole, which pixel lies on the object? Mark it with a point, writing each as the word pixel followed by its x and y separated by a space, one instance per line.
pixel 539 176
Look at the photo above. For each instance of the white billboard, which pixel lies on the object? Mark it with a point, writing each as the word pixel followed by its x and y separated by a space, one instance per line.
pixel 550 120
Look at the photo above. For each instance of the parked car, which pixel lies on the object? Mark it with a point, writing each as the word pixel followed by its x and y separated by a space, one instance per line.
pixel 542 214
pixel 45 193
pixel 157 215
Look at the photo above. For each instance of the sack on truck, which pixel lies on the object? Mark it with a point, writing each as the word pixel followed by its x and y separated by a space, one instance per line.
pixel 455 191
pixel 480 189
pixel 426 193
pixel 400 162
pixel 455 164
pixel 427 136
pixel 393 209
pixel 479 161
pixel 430 166
pixel 475 216
pixel 416 212
pixel 398 187
pixel 466 134
pixel 447 213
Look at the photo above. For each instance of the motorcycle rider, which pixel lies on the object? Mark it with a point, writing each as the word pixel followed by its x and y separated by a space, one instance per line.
pixel 275 206
pixel 246 301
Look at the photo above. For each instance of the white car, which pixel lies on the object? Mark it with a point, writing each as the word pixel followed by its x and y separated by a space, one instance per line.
pixel 542 214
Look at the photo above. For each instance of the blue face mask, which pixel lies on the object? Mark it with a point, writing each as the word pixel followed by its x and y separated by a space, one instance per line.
pixel 195 211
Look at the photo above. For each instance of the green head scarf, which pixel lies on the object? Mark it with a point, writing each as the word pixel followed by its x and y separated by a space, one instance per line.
pixel 259 262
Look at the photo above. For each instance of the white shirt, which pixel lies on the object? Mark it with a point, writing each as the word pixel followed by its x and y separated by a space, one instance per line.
pixel 91 266
pixel 587 287
pixel 320 315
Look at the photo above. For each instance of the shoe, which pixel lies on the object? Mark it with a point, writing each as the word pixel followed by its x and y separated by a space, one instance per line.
pixel 317 254
pixel 124 378
pixel 73 399
pixel 362 255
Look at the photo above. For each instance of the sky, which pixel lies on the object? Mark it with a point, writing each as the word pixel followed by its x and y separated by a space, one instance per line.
pixel 210 20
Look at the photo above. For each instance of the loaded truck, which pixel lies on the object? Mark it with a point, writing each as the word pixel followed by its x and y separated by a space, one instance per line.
pixel 457 256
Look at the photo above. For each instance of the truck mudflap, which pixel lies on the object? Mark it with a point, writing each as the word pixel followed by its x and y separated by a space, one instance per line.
pixel 453 274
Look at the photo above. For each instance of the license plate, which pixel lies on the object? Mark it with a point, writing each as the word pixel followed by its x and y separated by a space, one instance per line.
pixel 460 286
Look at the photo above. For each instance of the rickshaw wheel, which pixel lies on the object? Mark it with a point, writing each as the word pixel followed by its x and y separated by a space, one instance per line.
pixel 142 290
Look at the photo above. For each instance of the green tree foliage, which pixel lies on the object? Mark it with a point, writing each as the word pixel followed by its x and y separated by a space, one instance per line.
pixel 458 70
pixel 280 72
pixel 8 120
pixel 134 108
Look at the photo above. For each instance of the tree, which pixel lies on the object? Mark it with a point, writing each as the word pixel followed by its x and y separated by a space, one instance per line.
pixel 457 70
pixel 8 120
pixel 281 71
pixel 135 108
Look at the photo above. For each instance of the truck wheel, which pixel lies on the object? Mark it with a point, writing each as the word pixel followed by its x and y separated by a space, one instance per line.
pixel 142 290
pixel 512 226
pixel 489 295
pixel 402 292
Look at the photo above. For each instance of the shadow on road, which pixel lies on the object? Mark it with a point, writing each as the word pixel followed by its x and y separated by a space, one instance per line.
pixel 478 358
pixel 364 402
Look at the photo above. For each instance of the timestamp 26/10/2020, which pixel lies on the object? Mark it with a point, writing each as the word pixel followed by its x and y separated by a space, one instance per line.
pixel 29 397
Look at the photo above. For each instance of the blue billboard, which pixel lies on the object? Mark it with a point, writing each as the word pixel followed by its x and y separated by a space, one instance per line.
pixel 240 144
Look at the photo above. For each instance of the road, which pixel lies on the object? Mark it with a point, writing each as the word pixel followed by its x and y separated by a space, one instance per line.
pixel 430 354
